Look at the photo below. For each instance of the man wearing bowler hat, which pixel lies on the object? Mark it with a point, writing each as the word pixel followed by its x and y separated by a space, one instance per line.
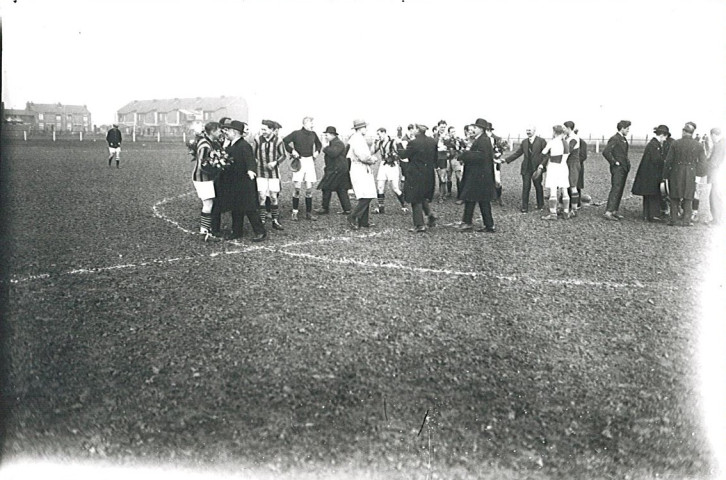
pixel 680 171
pixel 650 173
pixel 336 177
pixel 478 184
pixel 237 185
pixel 422 154
pixel 361 175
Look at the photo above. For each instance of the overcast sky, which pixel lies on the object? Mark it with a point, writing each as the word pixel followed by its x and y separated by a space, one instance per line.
pixel 512 62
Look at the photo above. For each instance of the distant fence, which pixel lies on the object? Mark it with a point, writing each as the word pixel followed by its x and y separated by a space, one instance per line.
pixel 16 132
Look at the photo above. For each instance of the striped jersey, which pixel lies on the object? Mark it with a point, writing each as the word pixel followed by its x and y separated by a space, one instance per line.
pixel 266 152
pixel 205 145
pixel 386 149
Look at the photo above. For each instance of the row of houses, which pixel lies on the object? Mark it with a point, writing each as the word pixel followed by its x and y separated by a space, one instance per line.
pixel 177 115
pixel 168 117
pixel 51 117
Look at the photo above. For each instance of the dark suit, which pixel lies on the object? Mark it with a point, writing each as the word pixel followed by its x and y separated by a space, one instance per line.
pixel 237 192
pixel 336 176
pixel 422 154
pixel 616 151
pixel 532 151
pixel 478 184
pixel 681 163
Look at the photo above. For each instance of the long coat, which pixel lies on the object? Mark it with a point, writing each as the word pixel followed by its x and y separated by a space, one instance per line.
pixel 422 154
pixel 336 174
pixel 680 167
pixel 650 171
pixel 529 162
pixel 361 162
pixel 477 183
pixel 235 189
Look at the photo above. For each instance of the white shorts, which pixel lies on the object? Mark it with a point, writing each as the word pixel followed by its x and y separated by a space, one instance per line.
pixel 557 176
pixel 266 186
pixel 388 173
pixel 205 190
pixel 114 150
pixel 306 172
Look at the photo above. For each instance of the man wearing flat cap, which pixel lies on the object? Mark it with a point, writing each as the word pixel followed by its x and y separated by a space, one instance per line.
pixel 478 184
pixel 236 186
pixel 336 177
pixel 650 173
pixel 683 158
pixel 616 153
pixel 269 153
pixel 361 175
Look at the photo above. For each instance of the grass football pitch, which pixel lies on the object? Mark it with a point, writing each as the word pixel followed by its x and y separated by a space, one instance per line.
pixel 547 350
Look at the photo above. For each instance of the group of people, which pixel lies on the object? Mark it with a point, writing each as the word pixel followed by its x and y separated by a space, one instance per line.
pixel 674 175
pixel 232 174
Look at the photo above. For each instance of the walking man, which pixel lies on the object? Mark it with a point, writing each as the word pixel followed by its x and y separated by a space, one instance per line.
pixel 113 137
pixel 388 170
pixel 361 175
pixel 478 184
pixel 269 153
pixel 616 153
pixel 531 151
pixel 304 145
pixel 680 172
pixel 421 155
pixel 336 177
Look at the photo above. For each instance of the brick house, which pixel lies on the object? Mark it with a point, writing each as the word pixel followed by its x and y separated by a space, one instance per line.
pixel 50 117
pixel 178 115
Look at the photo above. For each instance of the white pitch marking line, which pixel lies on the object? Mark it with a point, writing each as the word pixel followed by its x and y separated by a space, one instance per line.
pixel 161 261
pixel 397 266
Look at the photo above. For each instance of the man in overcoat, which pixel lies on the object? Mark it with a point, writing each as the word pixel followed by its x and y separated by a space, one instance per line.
pixel 336 177
pixel 237 186
pixel 680 171
pixel 361 176
pixel 531 149
pixel 421 154
pixel 650 173
pixel 478 184
pixel 616 153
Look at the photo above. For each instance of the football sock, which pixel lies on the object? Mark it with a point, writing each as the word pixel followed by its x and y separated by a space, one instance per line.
pixel 206 223
pixel 381 199
pixel 574 198
pixel 267 204
pixel 566 205
pixel 275 209
pixel 295 203
pixel 308 204
pixel 553 205
pixel 263 214
pixel 116 163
